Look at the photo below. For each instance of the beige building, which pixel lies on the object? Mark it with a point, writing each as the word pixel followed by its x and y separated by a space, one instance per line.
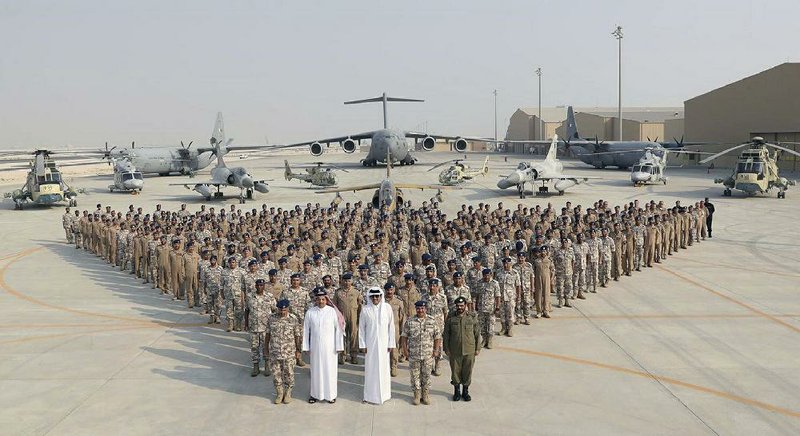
pixel 766 104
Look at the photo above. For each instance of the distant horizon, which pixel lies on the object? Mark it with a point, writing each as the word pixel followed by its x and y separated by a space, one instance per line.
pixel 157 73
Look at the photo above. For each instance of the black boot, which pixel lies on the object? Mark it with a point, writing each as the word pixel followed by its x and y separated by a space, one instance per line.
pixel 457 393
pixel 465 395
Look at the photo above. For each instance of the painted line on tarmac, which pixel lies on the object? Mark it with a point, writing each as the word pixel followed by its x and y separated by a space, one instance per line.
pixel 668 380
pixel 5 286
pixel 731 299
pixel 721 265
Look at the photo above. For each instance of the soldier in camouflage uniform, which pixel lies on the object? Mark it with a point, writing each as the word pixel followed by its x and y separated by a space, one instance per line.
pixel 510 289
pixel 233 290
pixel 202 293
pixel 299 299
pixel 580 252
pixel 486 305
pixel 607 250
pixel 437 310
pixel 525 271
pixel 421 341
pixel 592 264
pixel 283 339
pixel 639 233
pixel 152 261
pixel 564 259
pixel 261 305
pixel 458 289
pixel 66 222
pixel 364 281
pixel 211 277
pixel 122 241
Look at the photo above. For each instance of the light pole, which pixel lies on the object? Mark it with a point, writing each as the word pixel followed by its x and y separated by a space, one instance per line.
pixel 617 33
pixel 495 115
pixel 539 73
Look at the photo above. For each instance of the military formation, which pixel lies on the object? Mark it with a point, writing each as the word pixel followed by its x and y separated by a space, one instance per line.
pixel 451 281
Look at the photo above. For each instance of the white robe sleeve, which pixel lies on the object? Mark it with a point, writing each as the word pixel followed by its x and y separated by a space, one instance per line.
pixel 392 343
pixel 306 333
pixel 362 321
pixel 339 336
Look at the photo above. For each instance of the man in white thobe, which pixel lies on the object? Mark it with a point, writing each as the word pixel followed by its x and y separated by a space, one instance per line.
pixel 323 339
pixel 376 340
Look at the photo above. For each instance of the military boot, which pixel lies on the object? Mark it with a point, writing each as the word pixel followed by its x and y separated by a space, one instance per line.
pixel 509 332
pixel 559 303
pixel 580 295
pixel 341 358
pixel 425 398
pixel 300 362
pixel 566 303
pixel 266 369
pixel 394 371
pixel 256 371
pixel 354 358
pixel 489 342
pixel 278 395
pixel 465 394
pixel 287 396
pixel 211 319
pixel 526 321
pixel 435 371
pixel 415 401
pixel 457 393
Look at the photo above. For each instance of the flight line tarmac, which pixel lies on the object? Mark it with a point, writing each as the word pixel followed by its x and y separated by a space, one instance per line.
pixel 707 343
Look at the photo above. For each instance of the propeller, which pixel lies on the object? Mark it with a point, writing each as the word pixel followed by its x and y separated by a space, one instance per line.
pixel 652 140
pixel 456 161
pixel 186 147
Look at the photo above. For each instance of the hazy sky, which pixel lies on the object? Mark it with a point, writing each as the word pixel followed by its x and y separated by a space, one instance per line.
pixel 83 72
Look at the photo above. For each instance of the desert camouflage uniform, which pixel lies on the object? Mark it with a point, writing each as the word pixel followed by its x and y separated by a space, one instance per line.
pixel 232 288
pixel 452 292
pixel 508 280
pixel 421 334
pixel 283 337
pixel 122 242
pixel 212 277
pixel 525 271
pixel 66 222
pixel 592 264
pixel 638 232
pixel 562 261
pixel 607 250
pixel 484 305
pixel 152 261
pixel 261 307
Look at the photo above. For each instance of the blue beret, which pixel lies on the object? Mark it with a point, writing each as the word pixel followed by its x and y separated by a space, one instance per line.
pixel 295 276
pixel 319 292
pixel 421 303
pixel 232 259
pixel 433 281
pixel 347 276
pixel 363 266
pixel 329 249
pixel 264 253
pixel 486 271
pixel 283 304
pixel 408 276
pixel 272 272
pixel 506 259
pixel 306 262
pixel 426 256
pixel 458 274
pixel 283 260
pixel 476 258
pixel 260 282
pixel 252 262
pixel 317 256
pixel 290 247
pixel 430 268
pixel 388 285
pixel 460 300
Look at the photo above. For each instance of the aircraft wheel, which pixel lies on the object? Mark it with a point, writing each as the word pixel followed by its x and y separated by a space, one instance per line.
pixel 665 182
pixel 560 192
pixel 208 198
pixel 249 194
pixel 726 193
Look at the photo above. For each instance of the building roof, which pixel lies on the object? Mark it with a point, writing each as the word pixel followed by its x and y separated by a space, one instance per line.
pixel 640 114
pixel 790 66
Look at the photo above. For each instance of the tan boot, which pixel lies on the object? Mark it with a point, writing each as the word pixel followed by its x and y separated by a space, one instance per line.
pixel 287 396
pixel 415 401
pixel 566 303
pixel 300 362
pixel 354 358
pixel 255 371
pixel 278 396
pixel 509 332
pixel 435 371
pixel 489 342
pixel 425 398
pixel 266 369
pixel 394 372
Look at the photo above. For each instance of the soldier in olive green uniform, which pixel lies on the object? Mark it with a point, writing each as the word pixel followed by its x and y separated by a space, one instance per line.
pixel 461 344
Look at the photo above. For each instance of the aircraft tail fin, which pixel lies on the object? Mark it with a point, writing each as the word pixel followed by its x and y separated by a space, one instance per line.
pixel 384 99
pixel 287 173
pixel 551 153
pixel 572 125
pixel 218 140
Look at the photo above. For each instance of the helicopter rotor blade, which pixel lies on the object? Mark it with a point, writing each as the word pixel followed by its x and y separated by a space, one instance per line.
pixel 712 157
pixel 783 148
pixel 440 164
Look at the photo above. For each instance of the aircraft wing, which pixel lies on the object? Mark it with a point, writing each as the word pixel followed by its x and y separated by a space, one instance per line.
pixel 567 177
pixel 349 188
pixel 420 135
pixel 423 187
pixel 356 137
pixel 190 185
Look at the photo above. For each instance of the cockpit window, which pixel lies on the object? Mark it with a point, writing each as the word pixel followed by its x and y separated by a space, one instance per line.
pixel 137 176
pixel 750 167
pixel 127 176
pixel 523 166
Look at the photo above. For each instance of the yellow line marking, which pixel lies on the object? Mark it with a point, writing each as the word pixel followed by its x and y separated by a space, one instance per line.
pixel 669 380
pixel 731 299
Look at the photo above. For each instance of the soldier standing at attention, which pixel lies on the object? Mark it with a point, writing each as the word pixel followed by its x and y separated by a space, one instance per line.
pixel 399 313
pixel 525 271
pixel 261 305
pixel 461 344
pixel 348 300
pixel 486 304
pixel 232 288
pixel 212 279
pixel 191 267
pixel 66 222
pixel 283 338
pixel 163 265
pixel 421 341
pixel 709 215
pixel 543 272
pixel 299 299
pixel 510 288
pixel 176 269
pixel 563 260
pixel 437 306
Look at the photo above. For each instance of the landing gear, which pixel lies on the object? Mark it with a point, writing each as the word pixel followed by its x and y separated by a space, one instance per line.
pixel 542 190
pixel 72 203
pixel 249 194
pixel 407 161
pixel 521 190
pixel 726 193
pixel 369 162
pixel 17 205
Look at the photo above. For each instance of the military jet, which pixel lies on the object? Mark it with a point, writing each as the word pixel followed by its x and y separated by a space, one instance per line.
pixel 316 176
pixel 547 171
pixel 44 185
pixel 126 177
pixel 459 172
pixel 385 142
pixel 756 170
pixel 222 175
pixel 388 194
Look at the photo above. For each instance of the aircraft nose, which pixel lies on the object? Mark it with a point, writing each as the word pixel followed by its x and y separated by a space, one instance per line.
pixel 247 182
pixel 514 178
pixel 639 177
pixel 133 184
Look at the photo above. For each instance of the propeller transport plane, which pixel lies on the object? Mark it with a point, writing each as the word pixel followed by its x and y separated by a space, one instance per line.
pixel 222 175
pixel 459 172
pixel 384 143
pixel 316 176
pixel 756 170
pixel 547 171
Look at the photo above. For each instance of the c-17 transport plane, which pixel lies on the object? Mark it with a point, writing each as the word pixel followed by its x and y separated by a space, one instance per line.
pixel 384 143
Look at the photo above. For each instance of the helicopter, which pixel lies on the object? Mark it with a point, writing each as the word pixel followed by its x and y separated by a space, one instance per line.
pixel 317 175
pixel 459 173
pixel 126 177
pixel 44 184
pixel 756 170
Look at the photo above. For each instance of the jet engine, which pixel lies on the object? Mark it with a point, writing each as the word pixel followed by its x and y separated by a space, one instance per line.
pixel 261 187
pixel 316 149
pixel 460 145
pixel 203 190
pixel 348 145
pixel 428 143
